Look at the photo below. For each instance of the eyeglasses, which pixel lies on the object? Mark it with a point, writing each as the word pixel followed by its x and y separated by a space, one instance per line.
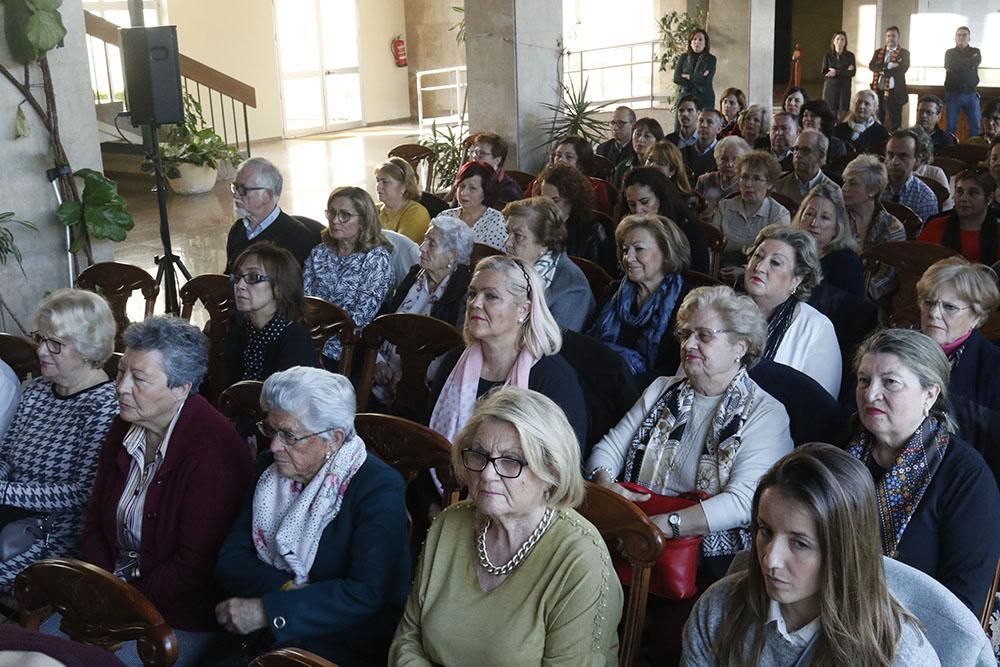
pixel 248 278
pixel 618 123
pixel 287 437
pixel 753 178
pixel 241 190
pixel 804 150
pixel 946 308
pixel 54 346
pixel 705 335
pixel 505 466
pixel 479 154
pixel 341 217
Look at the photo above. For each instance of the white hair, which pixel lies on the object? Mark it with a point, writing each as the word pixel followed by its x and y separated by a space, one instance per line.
pixel 319 399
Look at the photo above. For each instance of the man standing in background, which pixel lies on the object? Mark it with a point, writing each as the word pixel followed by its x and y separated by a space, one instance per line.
pixel 961 66
pixel 888 67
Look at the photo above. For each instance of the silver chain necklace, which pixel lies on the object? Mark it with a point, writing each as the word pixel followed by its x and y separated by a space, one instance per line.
pixel 520 555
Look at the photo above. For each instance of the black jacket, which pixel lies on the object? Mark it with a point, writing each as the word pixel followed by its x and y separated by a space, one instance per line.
pixel 449 308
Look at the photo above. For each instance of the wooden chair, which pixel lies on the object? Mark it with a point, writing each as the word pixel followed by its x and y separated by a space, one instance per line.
pixel 215 293
pixel 323 320
pixel 522 178
pixel 786 201
pixel 991 601
pixel 242 400
pixel 116 282
pixel 19 353
pixel 602 168
pixel 416 154
pixel 434 204
pixel 597 277
pixel 605 221
pixel 97 608
pixel 909 259
pixel 970 154
pixel 627 529
pixel 111 365
pixel 716 241
pixel 291 657
pixel 940 191
pixel 482 251
pixel 912 222
pixel 419 340
pixel 949 165
pixel 409 447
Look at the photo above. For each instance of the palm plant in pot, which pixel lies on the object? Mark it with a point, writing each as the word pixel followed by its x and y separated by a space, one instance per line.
pixel 192 152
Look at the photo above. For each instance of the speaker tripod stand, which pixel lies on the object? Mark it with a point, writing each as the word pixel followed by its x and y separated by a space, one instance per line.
pixel 166 277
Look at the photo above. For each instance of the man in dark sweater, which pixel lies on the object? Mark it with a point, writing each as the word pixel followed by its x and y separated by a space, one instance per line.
pixel 700 155
pixel 256 191
pixel 961 66
pixel 619 146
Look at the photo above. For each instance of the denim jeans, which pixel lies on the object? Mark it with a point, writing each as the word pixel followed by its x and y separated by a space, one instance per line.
pixel 968 102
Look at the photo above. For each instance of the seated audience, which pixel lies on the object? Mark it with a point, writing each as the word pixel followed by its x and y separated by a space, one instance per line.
pixel 268 335
pixel 824 216
pixel 731 104
pixel 717 185
pixel 817 115
pixel 516 544
pixel 511 340
pixel 256 191
pixel 861 130
pixel 929 109
pixel 795 97
pixel 637 321
pixel 492 149
pixel 48 456
pixel 645 133
pixel 814 590
pixel 586 237
pixel 865 179
pixel 754 125
pixel 742 216
pixel 808 157
pixel 990 124
pixel 784 132
pixel 937 500
pixel 619 145
pixel 170 480
pixel 903 187
pixel 926 170
pixel 971 228
pixel 577 152
pixel 477 192
pixel 399 207
pixel 733 428
pixel 351 268
pixel 700 156
pixel 666 157
pixel 782 270
pixel 318 557
pixel 645 190
pixel 10 395
pixel 537 237
pixel 686 133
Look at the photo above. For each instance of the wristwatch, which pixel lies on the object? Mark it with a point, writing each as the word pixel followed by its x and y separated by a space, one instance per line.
pixel 674 519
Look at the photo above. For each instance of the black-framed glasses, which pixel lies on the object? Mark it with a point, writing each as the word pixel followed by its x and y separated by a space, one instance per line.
pixel 946 308
pixel 287 437
pixel 242 190
pixel 248 278
pixel 505 466
pixel 341 217
pixel 705 335
pixel 54 346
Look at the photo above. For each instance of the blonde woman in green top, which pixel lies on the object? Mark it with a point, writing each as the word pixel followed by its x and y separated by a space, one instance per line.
pixel 399 207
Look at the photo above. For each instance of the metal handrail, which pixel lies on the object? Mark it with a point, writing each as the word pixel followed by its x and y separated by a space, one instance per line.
pixel 582 73
pixel 458 84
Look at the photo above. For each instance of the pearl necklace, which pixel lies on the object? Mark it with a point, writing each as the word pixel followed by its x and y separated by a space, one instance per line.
pixel 520 555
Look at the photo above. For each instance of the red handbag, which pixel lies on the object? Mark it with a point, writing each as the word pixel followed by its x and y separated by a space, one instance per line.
pixel 674 575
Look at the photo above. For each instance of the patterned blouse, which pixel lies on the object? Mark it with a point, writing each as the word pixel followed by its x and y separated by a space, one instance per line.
pixel 490 229
pixel 358 283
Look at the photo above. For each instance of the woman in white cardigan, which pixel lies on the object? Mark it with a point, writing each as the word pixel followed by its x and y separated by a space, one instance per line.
pixel 782 269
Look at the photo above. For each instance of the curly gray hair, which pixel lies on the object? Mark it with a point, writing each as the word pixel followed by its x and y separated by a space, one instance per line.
pixel 182 346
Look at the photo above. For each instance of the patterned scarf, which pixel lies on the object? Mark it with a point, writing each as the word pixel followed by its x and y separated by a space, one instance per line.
pixel 882 76
pixel 778 324
pixel 902 487
pixel 257 344
pixel 857 129
pixel 656 449
pixel 546 267
pixel 652 317
pixel 289 518
pixel 420 299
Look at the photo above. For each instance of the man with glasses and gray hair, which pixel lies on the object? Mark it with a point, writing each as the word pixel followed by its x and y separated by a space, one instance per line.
pixel 256 191
pixel 619 146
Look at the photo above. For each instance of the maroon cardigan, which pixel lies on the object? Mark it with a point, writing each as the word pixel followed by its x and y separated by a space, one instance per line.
pixel 190 506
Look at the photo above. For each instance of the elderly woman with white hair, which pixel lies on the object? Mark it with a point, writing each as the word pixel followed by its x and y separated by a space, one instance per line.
pixel 48 457
pixel 514 575
pixel 724 181
pixel 318 557
pixel 861 128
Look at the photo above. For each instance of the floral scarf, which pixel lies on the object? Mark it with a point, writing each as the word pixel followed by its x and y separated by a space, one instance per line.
pixel 546 267
pixel 289 518
pixel 902 487
pixel 656 448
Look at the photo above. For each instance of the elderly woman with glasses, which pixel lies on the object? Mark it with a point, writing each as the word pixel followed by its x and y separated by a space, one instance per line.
pixel 710 429
pixel 352 266
pixel 48 456
pixel 170 480
pixel 318 556
pixel 516 544
pixel 822 213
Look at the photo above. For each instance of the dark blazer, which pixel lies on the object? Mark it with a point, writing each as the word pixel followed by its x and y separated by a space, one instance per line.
pixel 877 64
pixel 613 152
pixel 869 141
pixel 189 507
pixel 974 393
pixel 699 84
pixel 293 235
pixel 358 582
pixel 813 415
pixel 700 163
pixel 293 348
pixel 569 296
pixel 450 307
pixel 843 269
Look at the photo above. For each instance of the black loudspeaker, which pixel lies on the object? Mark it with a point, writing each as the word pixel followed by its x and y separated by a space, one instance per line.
pixel 152 75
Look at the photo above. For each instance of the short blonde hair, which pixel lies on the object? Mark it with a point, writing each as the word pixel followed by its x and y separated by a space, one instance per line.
pixel 738 312
pixel 975 284
pixel 401 171
pixel 547 441
pixel 803 244
pixel 673 244
pixel 756 110
pixel 83 318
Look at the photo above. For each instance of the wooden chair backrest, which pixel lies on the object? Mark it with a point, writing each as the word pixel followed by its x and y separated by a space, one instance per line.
pixel 116 282
pixel 415 154
pixel 906 215
pixel 323 320
pixel 716 241
pixel 940 191
pixel 111 365
pixel 627 529
pixel 291 657
pixel 97 608
pixel 419 339
pixel 215 293
pixel 909 259
pixel 522 178
pixel 19 353
pixel 970 154
pixel 991 603
pixel 597 277
pixel 698 279
pixel 602 168
pixel 482 251
pixel 786 201
pixel 949 165
pixel 434 204
pixel 242 400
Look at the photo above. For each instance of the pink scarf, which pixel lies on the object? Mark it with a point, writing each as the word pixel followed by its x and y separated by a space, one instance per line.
pixel 955 344
pixel 458 397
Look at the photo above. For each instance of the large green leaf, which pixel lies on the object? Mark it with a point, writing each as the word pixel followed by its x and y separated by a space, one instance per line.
pixel 109 222
pixel 16 15
pixel 48 5
pixel 46 30
pixel 70 213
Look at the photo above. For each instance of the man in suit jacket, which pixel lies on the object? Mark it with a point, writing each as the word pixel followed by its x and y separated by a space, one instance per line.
pixel 888 67
pixel 619 146
pixel 808 156
pixel 256 191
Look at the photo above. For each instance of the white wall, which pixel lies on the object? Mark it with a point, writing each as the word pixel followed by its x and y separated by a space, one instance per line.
pixel 384 87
